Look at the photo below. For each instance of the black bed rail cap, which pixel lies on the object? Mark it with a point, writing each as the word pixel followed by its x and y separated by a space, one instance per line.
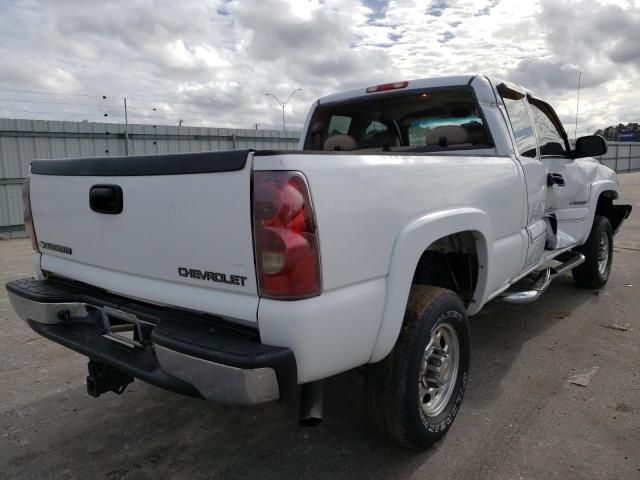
pixel 139 165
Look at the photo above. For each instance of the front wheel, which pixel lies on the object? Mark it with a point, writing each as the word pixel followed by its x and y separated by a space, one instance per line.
pixel 415 393
pixel 598 252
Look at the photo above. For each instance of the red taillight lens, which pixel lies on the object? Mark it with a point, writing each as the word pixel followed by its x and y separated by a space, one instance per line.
pixel 28 216
pixel 286 237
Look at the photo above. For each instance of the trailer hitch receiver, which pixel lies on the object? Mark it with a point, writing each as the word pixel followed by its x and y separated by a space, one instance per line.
pixel 103 378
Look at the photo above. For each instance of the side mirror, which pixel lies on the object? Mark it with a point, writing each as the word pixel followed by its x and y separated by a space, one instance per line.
pixel 590 146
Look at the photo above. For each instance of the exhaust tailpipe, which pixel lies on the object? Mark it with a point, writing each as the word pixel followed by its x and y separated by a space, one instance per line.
pixel 311 404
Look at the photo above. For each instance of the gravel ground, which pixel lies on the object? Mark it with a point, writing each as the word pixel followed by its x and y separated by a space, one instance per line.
pixel 521 418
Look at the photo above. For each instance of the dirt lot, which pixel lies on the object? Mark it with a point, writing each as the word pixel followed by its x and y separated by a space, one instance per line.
pixel 521 418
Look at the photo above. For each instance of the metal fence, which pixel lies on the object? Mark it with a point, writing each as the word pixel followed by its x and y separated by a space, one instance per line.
pixel 22 141
pixel 622 156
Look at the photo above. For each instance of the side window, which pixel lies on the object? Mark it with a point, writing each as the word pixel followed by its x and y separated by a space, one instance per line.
pixel 522 128
pixel 550 140
pixel 339 125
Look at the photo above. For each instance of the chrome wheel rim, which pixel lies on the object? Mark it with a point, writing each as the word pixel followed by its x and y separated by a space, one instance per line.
pixel 603 253
pixel 439 370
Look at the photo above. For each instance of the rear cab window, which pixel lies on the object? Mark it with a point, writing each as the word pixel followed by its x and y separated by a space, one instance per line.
pixel 420 128
pixel 417 121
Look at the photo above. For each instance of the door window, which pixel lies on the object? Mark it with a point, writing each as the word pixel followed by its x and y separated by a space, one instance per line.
pixel 549 138
pixel 521 125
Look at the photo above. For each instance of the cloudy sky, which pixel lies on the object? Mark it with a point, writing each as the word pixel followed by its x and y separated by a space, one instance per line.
pixel 211 62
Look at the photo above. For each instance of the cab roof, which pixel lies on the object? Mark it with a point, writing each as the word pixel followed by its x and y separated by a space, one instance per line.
pixel 418 84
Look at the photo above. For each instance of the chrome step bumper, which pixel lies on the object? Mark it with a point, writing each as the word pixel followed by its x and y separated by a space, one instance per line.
pixel 172 349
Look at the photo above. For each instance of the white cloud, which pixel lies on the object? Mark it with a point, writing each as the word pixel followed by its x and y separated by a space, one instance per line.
pixel 211 62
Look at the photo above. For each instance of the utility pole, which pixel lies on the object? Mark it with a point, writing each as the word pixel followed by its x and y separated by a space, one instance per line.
pixel 283 104
pixel 180 122
pixel 575 134
pixel 126 129
pixel 256 125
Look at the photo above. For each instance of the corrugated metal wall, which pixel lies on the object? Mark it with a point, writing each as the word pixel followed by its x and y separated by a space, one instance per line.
pixel 622 156
pixel 22 141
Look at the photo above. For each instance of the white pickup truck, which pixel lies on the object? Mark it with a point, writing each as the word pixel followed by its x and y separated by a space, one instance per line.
pixel 240 276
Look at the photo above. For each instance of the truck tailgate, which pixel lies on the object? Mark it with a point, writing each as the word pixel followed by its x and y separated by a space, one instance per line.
pixel 183 237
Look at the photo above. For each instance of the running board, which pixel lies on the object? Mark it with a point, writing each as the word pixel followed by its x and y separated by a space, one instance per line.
pixel 544 279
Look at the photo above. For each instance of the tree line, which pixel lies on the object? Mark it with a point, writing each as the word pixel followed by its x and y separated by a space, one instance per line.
pixel 611 132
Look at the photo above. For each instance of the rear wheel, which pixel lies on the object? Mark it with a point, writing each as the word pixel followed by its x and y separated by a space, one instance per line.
pixel 598 252
pixel 415 393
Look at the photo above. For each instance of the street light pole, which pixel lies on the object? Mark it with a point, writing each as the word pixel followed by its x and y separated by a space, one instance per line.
pixel 284 125
pixel 575 134
pixel 283 104
pixel 126 129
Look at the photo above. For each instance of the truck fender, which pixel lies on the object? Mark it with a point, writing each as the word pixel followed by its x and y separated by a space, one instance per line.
pixel 597 188
pixel 409 246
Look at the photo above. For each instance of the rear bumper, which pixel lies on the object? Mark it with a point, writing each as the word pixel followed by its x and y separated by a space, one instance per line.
pixel 180 351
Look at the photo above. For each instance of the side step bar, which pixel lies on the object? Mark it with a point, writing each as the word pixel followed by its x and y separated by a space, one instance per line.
pixel 544 279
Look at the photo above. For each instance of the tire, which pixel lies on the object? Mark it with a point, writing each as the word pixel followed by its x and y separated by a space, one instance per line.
pixel 598 252
pixel 392 385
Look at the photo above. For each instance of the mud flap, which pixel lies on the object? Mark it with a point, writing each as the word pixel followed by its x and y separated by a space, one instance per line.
pixel 617 215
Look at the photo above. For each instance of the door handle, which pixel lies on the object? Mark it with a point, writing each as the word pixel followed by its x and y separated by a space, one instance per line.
pixel 106 199
pixel 555 179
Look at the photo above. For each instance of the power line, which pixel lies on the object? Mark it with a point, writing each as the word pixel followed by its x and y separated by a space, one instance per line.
pixel 43 112
pixel 101 109
pixel 98 105
pixel 102 97
pixel 108 110
pixel 49 103
pixel 110 119
pixel 64 112
pixel 86 114
pixel 158 102
pixel 40 92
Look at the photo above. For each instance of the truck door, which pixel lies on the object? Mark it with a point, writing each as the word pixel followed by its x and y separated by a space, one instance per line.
pixel 535 226
pixel 567 183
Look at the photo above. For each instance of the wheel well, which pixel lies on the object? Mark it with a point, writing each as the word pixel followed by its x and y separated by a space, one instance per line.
pixel 450 262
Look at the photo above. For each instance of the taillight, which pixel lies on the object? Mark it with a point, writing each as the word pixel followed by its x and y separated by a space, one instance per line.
pixel 385 87
pixel 285 235
pixel 28 216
